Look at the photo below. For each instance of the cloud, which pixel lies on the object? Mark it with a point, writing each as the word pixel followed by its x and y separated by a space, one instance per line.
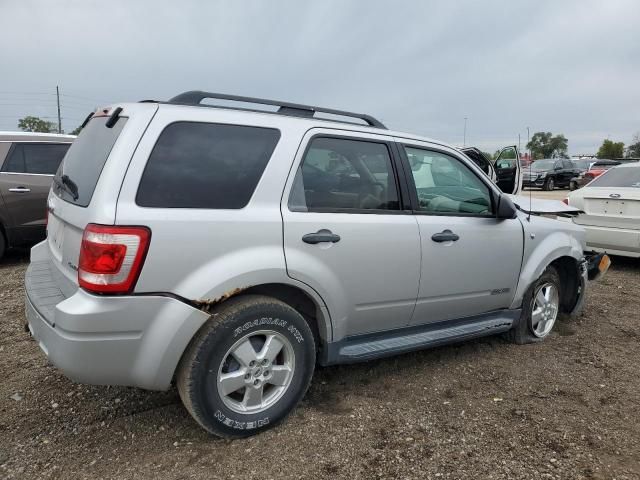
pixel 568 67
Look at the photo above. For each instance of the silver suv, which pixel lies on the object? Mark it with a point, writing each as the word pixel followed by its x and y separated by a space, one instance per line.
pixel 231 250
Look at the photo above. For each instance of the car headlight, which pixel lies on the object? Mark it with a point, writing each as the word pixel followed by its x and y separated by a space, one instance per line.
pixel 542 174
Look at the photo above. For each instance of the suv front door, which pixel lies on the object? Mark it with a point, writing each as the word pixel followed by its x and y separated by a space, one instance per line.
pixel 470 259
pixel 347 233
pixel 25 179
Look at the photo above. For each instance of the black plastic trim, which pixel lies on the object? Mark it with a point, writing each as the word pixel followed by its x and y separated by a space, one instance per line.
pixel 195 97
pixel 417 337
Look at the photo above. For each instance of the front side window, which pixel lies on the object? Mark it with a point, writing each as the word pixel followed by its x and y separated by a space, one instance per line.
pixel 339 174
pixel 37 158
pixel 445 185
pixel 206 165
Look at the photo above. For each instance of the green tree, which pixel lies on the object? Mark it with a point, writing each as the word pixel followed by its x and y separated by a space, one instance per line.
pixel 633 150
pixel 77 130
pixel 610 149
pixel 35 124
pixel 546 145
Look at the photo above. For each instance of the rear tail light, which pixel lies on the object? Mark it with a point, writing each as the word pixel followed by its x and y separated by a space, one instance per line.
pixel 111 257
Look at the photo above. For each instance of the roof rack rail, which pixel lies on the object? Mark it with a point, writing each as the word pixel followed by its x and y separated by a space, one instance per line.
pixel 195 97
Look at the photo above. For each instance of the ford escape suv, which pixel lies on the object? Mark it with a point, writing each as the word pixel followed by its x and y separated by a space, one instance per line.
pixel 231 250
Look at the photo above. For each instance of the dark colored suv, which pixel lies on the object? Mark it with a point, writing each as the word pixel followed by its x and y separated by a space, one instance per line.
pixel 28 162
pixel 549 173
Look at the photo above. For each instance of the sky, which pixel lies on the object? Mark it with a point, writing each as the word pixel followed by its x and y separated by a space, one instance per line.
pixel 570 67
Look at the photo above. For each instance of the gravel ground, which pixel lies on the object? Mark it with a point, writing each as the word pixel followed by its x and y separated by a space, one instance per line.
pixel 567 408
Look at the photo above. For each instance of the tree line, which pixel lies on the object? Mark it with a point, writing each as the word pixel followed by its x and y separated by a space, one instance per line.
pixel 541 145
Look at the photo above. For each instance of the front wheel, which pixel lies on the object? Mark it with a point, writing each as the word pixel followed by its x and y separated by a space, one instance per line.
pixel 549 184
pixel 248 367
pixel 540 309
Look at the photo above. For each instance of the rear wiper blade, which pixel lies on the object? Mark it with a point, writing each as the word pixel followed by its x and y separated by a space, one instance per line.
pixel 67 184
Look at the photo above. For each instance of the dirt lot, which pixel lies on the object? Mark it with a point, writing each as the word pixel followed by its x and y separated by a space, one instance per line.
pixel 567 408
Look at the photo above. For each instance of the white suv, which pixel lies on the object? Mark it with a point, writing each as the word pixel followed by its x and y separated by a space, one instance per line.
pixel 232 249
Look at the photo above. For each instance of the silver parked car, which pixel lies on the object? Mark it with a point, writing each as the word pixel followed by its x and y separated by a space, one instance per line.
pixel 611 210
pixel 233 249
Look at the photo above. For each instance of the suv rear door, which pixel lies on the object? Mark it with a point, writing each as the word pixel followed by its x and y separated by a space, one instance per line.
pixel 347 233
pixel 25 179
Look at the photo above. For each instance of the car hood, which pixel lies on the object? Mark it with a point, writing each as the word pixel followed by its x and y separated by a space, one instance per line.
pixel 541 206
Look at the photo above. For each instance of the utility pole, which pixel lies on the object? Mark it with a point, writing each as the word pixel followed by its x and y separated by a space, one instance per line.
pixel 464 138
pixel 59 119
pixel 528 144
pixel 519 144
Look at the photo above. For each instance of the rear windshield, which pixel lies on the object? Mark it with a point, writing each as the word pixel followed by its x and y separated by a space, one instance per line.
pixel 205 165
pixel 619 177
pixel 78 175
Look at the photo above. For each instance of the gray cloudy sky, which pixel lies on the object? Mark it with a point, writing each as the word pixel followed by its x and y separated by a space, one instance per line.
pixel 569 67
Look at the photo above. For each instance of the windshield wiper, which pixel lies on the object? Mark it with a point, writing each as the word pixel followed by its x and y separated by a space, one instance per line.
pixel 68 185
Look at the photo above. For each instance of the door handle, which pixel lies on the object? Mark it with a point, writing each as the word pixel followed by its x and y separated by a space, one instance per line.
pixel 320 236
pixel 445 236
pixel 20 190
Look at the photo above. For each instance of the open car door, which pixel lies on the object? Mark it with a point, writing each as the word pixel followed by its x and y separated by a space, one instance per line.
pixel 508 170
pixel 481 160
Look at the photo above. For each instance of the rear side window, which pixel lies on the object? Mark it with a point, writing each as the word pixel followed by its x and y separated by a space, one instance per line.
pixel 344 175
pixel 38 158
pixel 206 165
pixel 77 178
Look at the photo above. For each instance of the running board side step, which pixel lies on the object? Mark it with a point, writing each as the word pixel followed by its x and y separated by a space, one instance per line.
pixel 383 344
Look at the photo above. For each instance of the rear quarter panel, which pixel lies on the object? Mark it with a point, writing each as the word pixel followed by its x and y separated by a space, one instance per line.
pixel 205 254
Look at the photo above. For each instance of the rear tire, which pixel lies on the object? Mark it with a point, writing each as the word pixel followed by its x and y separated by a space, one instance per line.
pixel 573 186
pixel 538 318
pixel 549 184
pixel 229 378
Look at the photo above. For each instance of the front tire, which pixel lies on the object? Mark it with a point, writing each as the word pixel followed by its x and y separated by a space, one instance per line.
pixel 540 309
pixel 549 184
pixel 248 367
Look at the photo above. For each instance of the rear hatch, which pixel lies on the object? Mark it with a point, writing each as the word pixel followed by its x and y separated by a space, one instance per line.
pixel 86 187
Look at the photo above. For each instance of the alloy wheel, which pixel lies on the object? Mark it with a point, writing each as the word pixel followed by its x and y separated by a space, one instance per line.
pixel 256 372
pixel 546 303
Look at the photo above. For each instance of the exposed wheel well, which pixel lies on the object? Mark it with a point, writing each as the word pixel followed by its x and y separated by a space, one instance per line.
pixel 299 300
pixel 568 269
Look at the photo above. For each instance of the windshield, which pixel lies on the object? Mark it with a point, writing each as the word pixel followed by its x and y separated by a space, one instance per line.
pixel 543 164
pixel 619 177
pixel 82 165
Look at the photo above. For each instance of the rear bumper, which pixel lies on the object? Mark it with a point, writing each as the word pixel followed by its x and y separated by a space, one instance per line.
pixel 617 241
pixel 128 340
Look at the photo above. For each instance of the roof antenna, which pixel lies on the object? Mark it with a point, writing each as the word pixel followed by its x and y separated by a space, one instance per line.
pixel 530 162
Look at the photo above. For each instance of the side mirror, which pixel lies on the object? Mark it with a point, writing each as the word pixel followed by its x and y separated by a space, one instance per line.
pixel 506 208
